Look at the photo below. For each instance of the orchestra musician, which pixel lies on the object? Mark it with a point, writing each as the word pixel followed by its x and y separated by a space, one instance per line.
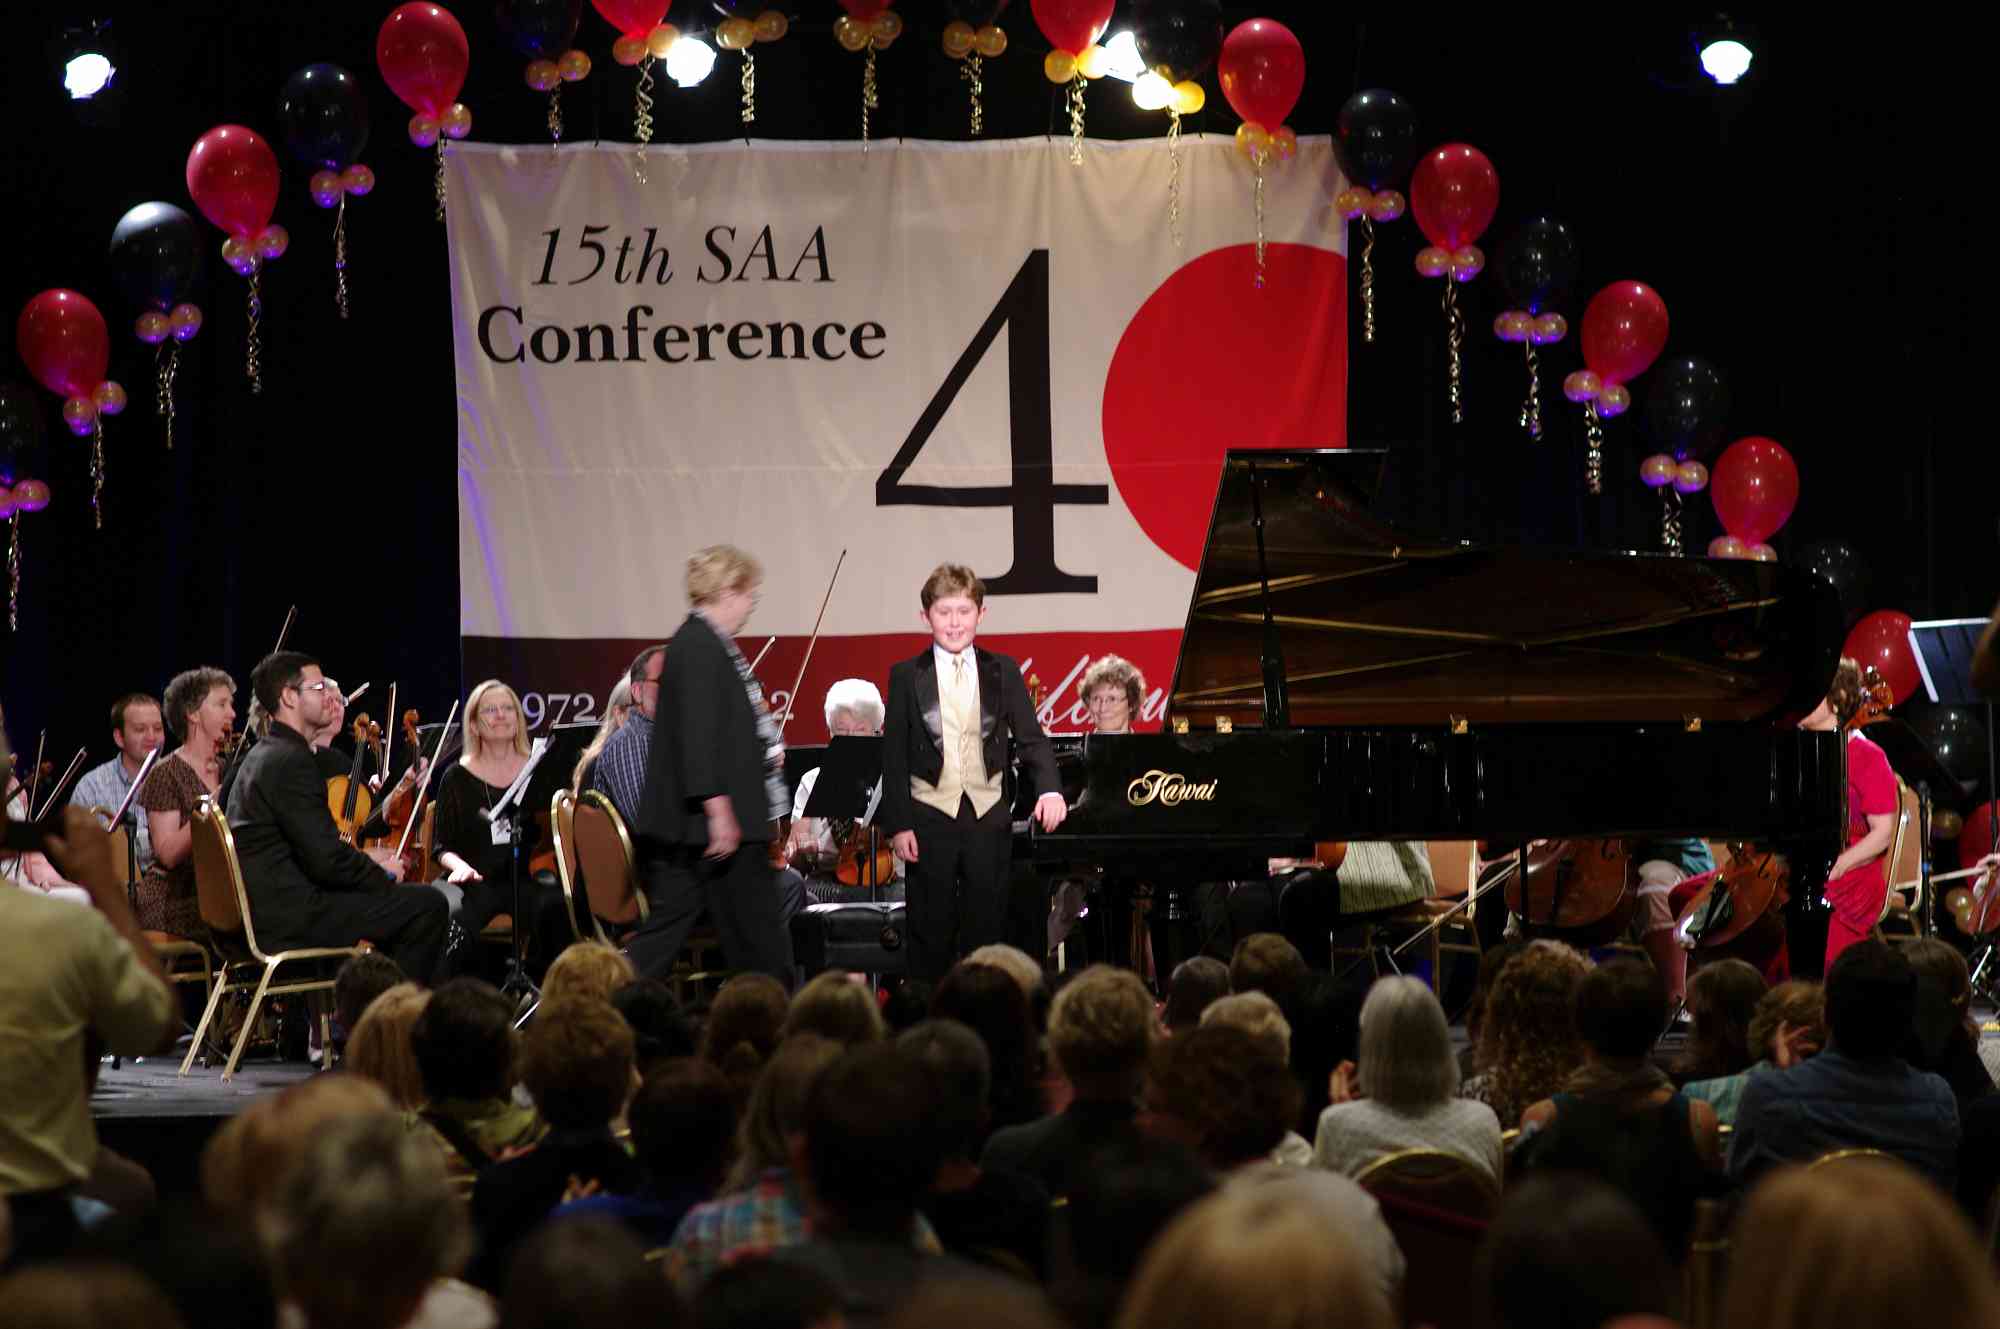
pixel 853 708
pixel 715 784
pixel 616 708
pixel 32 870
pixel 619 772
pixel 1662 865
pixel 951 712
pixel 137 731
pixel 307 886
pixel 1857 883
pixel 201 710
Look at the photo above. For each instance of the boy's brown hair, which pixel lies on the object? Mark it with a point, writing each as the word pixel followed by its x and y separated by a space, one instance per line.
pixel 952 579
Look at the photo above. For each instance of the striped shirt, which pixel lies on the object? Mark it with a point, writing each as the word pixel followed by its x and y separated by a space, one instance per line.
pixel 620 772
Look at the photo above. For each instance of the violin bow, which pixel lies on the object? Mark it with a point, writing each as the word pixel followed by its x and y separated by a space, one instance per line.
pixel 70 772
pixel 417 808
pixel 389 733
pixel 811 642
pixel 144 768
pixel 35 773
pixel 768 644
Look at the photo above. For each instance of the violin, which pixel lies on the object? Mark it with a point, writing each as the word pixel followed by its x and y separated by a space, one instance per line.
pixel 855 866
pixel 1877 700
pixel 400 805
pixel 1756 883
pixel 1582 891
pixel 347 796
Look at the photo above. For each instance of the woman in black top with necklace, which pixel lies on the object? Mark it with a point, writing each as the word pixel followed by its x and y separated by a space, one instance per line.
pixel 477 854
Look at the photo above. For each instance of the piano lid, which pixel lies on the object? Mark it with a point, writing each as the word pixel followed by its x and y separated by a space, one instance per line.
pixel 1383 626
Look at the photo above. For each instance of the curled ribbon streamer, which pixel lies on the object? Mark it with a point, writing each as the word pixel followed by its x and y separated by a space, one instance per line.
pixel 1531 409
pixel 970 70
pixel 642 118
pixel 749 87
pixel 97 474
pixel 14 575
pixel 168 360
pixel 1454 319
pixel 870 99
pixel 1670 520
pixel 1367 278
pixel 1593 454
pixel 1076 87
pixel 1259 194
pixel 340 256
pixel 1174 177
pixel 438 182
pixel 555 114
pixel 251 368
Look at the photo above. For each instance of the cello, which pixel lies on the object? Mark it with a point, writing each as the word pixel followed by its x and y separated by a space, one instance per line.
pixel 1583 892
pixel 1738 913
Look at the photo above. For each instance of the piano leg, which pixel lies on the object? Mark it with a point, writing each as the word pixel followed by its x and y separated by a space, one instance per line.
pixel 1807 914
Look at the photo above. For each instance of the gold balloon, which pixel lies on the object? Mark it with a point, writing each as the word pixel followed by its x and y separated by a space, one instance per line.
pixel 1945 824
pixel 958 39
pixel 888 26
pixel 629 50
pixel 153 327
pixel 735 34
pixel 575 65
pixel 1252 141
pixel 850 33
pixel 1189 96
pixel 423 130
pixel 1284 143
pixel 542 75
pixel 658 42
pixel 772 25
pixel 990 40
pixel 1060 66
pixel 110 398
pixel 456 122
pixel 1093 61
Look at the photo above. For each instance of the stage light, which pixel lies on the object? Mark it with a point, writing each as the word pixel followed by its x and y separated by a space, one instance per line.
pixel 87 67
pixel 689 60
pixel 1122 57
pixel 1724 50
pixel 1152 92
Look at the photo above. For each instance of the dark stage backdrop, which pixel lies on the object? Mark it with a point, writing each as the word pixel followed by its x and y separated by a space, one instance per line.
pixel 1809 232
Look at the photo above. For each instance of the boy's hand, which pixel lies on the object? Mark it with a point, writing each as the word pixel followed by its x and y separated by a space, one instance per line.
pixel 904 843
pixel 1050 811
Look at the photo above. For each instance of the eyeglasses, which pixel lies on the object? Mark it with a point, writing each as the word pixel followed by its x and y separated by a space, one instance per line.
pixel 324 685
pixel 494 712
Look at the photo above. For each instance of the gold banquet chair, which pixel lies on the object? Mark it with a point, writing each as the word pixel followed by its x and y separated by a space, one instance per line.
pixel 562 829
pixel 1903 915
pixel 1454 871
pixel 608 864
pixel 225 907
pixel 1435 1178
pixel 185 961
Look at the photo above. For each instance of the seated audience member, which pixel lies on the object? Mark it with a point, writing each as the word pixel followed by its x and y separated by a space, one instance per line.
pixel 379 1048
pixel 363 1232
pixel 1265 962
pixel 576 1062
pixel 909 1004
pixel 991 1004
pixel 1721 1001
pixel 1570 1252
pixel 136 731
pixel 986 1303
pixel 869 1152
pixel 1017 964
pixel 1864 1243
pixel 1492 960
pixel 1404 1092
pixel 761 1209
pixel 1326 1030
pixel 660 1030
pixel 243 1162
pixel 1130 1191
pixel 587 969
pixel 1221 1091
pixel 1529 1044
pixel 66 974
pixel 1858 1092
pixel 1257 1255
pixel 1618 1116
pixel 1100 1032
pixel 83 1294
pixel 1945 1038
pixel 764 1292
pixel 1257 1014
pixel 214 1273
pixel 991 1217
pixel 587 1274
pixel 465 1049
pixel 834 1006
pixel 684 1130
pixel 1788 1026
pixel 1194 984
pixel 358 982
pixel 742 1030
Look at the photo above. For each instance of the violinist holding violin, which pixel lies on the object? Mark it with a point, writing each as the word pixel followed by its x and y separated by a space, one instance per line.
pixel 1857 883
pixel 818 847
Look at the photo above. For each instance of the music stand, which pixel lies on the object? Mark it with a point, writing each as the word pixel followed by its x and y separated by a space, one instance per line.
pixel 849 788
pixel 1945 649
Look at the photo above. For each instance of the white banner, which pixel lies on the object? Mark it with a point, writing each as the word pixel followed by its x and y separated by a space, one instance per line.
pixel 916 353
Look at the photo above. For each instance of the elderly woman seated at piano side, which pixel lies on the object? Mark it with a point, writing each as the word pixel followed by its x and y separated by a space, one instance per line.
pixel 1114 692
pixel 853 709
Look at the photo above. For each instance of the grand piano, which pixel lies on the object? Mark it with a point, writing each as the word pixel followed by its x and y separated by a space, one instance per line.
pixel 1341 678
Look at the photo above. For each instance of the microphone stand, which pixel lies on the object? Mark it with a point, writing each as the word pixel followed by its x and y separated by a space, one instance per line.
pixel 517 983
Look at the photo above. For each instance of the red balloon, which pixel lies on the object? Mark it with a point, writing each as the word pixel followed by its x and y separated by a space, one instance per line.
pixel 636 18
pixel 64 342
pixel 232 176
pixel 865 10
pixel 1624 331
pixel 422 54
pixel 1453 194
pixel 1262 69
pixel 1754 486
pixel 1070 25
pixel 1976 840
pixel 1882 639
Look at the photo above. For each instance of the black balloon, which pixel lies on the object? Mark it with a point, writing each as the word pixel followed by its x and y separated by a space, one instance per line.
pixel 1958 738
pixel 1687 406
pixel 1538 264
pixel 20 433
pixel 1839 565
pixel 539 29
pixel 1177 38
pixel 1376 138
pixel 325 116
pixel 156 255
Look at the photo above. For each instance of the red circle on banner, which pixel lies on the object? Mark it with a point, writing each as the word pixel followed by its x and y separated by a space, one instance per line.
pixel 1281 381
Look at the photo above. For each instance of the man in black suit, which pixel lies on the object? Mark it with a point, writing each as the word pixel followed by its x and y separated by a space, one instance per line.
pixel 945 799
pixel 714 785
pixel 307 886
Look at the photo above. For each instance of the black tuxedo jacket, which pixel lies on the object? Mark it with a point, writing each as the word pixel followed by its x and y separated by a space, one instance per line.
pixel 704 743
pixel 913 730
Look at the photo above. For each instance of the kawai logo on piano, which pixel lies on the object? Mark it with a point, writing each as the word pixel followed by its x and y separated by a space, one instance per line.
pixel 1167 788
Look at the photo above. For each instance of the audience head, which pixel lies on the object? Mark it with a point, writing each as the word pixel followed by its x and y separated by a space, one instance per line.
pixel 1620 1009
pixel 1569 1252
pixel 742 1028
pixel 660 1030
pixel 1126 1195
pixel 245 1158
pixel 1943 1012
pixel 1871 1000
pixel 1721 999
pixel 199 702
pixel 990 1003
pixel 1254 1013
pixel 587 969
pixel 379 1046
pixel 961 1076
pixel 1014 962
pixel 359 981
pixel 1491 961
pixel 1530 1044
pixel 1799 1004
pixel 1195 984
pixel 1265 962
pixel 1326 1030
pixel 871 1142
pixel 909 1004
pixel 137 727
pixel 1224 1092
pixel 1100 1032
pixel 214 1273
pixel 777 1111
pixel 1866 1242
pixel 83 1294
pixel 1263 1255
pixel 577 1062
pixel 763 1292
pixel 464 1042
pixel 684 1124
pixel 586 1273
pixel 986 1303
pixel 363 1223
pixel 834 1006
pixel 1407 1061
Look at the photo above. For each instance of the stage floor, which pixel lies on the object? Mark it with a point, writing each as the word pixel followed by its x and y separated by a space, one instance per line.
pixel 153 1087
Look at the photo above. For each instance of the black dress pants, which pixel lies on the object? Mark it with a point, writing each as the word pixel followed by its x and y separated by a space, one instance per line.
pixel 406 923
pixel 738 893
pixel 958 888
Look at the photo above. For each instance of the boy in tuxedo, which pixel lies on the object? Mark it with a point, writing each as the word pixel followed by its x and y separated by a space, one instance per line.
pixel 944 772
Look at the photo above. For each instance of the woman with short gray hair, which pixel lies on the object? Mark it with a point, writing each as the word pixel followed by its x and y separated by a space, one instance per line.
pixel 1404 1093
